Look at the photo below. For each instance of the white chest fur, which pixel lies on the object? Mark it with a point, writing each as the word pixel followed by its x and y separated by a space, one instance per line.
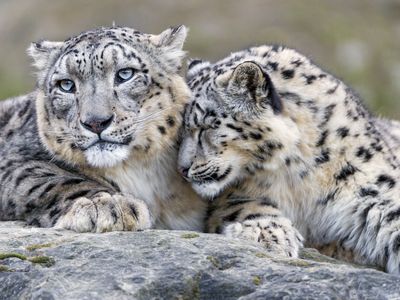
pixel 172 203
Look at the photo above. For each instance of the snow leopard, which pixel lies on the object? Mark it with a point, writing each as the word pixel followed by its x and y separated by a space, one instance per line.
pixel 94 147
pixel 289 155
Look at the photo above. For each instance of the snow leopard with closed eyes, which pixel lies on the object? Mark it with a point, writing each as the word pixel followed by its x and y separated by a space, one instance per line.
pixel 94 148
pixel 288 153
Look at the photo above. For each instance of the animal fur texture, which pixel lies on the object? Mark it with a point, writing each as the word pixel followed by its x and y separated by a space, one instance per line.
pixel 287 152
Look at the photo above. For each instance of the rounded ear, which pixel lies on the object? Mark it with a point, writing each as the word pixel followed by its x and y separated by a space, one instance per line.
pixel 249 86
pixel 195 66
pixel 42 52
pixel 246 76
pixel 171 42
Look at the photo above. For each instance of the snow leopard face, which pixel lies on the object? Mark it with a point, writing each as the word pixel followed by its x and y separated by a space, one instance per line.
pixel 108 93
pixel 233 126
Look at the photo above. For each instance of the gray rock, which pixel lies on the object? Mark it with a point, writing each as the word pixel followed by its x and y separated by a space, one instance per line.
pixel 37 263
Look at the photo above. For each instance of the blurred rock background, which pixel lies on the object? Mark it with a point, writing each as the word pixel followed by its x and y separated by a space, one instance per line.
pixel 358 40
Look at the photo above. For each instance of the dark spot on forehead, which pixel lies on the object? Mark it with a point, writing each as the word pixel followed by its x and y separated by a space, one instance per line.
pixel 287 74
pixel 345 172
pixel 255 135
pixel 342 131
pixel 385 179
pixel 231 126
pixel 162 130
pixel 273 65
pixel 170 121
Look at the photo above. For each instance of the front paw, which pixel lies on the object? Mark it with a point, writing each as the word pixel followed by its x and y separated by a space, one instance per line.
pixel 278 236
pixel 105 212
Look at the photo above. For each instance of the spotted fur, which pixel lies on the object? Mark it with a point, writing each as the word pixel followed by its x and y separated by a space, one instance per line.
pixel 269 135
pixel 94 150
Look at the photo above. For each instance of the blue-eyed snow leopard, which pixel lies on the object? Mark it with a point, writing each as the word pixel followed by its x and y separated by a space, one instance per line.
pixel 94 148
pixel 289 153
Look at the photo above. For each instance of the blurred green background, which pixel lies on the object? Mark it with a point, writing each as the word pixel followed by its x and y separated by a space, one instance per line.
pixel 357 40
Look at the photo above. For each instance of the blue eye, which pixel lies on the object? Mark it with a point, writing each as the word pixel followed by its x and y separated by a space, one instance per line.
pixel 66 85
pixel 124 75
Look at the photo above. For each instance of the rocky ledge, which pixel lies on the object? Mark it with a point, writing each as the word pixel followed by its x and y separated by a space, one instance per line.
pixel 37 263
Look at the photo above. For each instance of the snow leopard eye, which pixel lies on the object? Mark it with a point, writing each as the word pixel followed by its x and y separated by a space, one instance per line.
pixel 124 75
pixel 66 85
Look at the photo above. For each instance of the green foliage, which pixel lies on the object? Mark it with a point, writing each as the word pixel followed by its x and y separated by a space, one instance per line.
pixel 257 280
pixel 38 246
pixel 12 254
pixel 45 261
pixel 189 235
pixel 5 269
pixel 214 261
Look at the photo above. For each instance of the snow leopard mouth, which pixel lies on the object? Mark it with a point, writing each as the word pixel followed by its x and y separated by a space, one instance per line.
pixel 106 145
pixel 212 177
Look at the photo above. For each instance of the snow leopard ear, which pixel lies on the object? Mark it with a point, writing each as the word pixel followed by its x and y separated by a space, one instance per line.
pixel 171 42
pixel 249 84
pixel 195 66
pixel 42 52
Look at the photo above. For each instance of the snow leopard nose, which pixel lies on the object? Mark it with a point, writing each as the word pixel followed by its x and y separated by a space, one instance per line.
pixel 97 125
pixel 184 171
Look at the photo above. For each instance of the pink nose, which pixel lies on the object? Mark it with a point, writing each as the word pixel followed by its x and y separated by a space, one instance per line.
pixel 184 171
pixel 97 125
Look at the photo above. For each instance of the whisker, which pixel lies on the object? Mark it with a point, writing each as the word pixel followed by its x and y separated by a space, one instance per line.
pixel 153 114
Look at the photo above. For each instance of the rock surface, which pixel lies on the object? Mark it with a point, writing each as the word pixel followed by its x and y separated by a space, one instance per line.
pixel 37 263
